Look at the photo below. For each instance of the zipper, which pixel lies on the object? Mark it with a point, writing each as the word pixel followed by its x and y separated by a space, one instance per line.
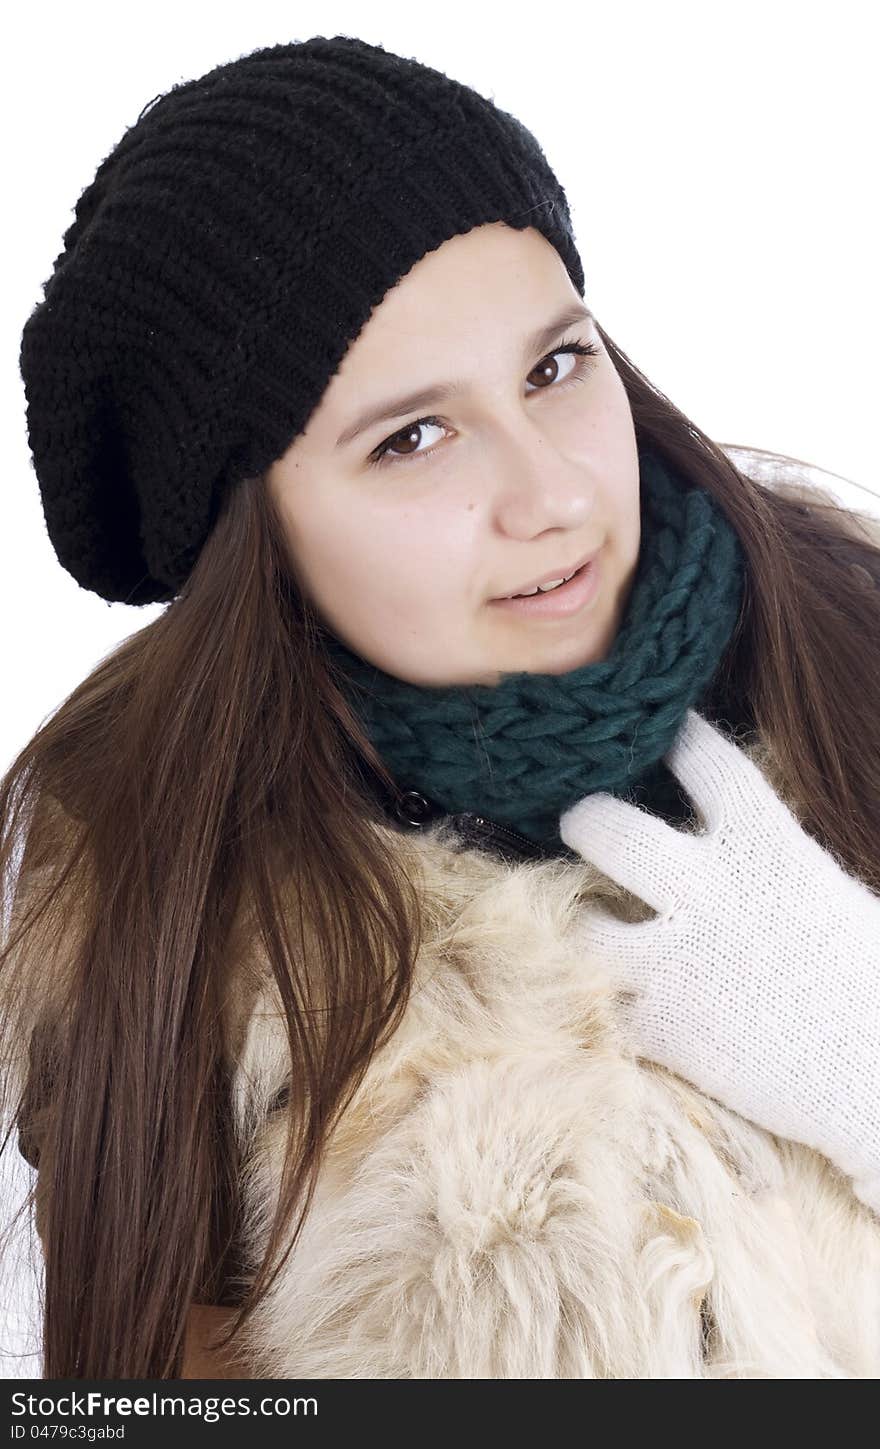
pixel 416 811
pixel 478 830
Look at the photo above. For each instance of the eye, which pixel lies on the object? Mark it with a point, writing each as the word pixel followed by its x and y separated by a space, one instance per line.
pixel 586 354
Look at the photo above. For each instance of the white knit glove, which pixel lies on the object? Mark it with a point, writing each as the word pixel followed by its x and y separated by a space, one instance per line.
pixel 759 978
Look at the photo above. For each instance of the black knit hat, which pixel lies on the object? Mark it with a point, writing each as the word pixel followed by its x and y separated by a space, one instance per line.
pixel 229 250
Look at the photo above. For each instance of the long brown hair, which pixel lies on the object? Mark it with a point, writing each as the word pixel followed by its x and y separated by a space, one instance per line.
pixel 199 792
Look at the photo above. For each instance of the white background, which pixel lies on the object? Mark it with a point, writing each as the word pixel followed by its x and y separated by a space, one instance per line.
pixel 720 164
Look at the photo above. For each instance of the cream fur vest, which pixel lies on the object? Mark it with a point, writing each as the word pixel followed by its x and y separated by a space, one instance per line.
pixel 513 1193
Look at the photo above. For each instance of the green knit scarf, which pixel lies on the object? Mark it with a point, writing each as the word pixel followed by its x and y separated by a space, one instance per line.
pixel 523 751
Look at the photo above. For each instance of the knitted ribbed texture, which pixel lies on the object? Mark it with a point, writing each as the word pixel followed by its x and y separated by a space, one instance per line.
pixel 230 248
pixel 525 750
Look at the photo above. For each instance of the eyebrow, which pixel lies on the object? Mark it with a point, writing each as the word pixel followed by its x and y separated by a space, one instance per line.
pixel 445 391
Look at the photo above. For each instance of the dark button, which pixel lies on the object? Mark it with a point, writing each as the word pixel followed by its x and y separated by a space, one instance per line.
pixel 412 808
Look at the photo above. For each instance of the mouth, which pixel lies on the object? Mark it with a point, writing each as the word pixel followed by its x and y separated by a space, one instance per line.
pixel 579 592
pixel 548 583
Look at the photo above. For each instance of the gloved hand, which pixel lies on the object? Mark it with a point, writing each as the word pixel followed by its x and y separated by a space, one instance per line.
pixel 759 978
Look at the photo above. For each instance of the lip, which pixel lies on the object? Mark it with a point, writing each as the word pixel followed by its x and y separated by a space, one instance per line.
pixel 548 578
pixel 579 593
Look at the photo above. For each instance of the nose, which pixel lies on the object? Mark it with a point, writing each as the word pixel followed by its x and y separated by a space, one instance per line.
pixel 538 487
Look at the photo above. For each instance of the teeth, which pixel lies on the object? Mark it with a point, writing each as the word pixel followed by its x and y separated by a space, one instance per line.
pixel 543 588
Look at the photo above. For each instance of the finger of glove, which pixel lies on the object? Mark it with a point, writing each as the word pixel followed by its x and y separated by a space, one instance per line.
pixel 637 1018
pixel 637 850
pixel 625 951
pixel 721 780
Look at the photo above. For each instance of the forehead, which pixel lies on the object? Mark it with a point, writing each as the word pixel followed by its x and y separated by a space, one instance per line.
pixel 488 286
pixel 476 278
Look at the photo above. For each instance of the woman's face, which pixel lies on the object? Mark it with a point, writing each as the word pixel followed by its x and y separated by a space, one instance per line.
pixel 407 517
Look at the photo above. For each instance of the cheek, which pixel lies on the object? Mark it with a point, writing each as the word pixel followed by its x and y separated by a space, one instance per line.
pixel 378 568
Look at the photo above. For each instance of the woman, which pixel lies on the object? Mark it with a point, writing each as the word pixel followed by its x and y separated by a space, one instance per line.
pixel 371 894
